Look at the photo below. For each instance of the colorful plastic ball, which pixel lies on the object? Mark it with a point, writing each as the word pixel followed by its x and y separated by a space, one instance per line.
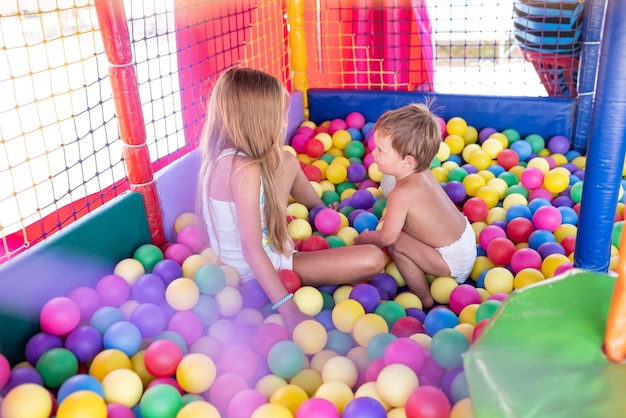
pixel 355 120
pixel 182 294
pixel 198 409
pixel 272 410
pixel 367 327
pixel 224 388
pixel 310 336
pixel 520 229
pixel 196 372
pixel 456 126
pixel 56 365
pixel 160 401
pixel 84 342
pixel 162 358
pixel 428 402
pixel 82 403
pixel 299 229
pixel 405 351
pixel 244 403
pixel 285 359
pixel 441 288
pixel 317 408
pixel 148 255
pixel 548 248
pixel 364 407
pixel 390 311
pixel 338 393
pixel 525 258
pixel 462 296
pixel 59 315
pixel 395 383
pixel 327 221
pixel 191 237
pixel 113 290
pixel 365 221
pixel 210 279
pixel 500 250
pixel 547 217
pixel 309 300
pixel 447 348
pixel 377 345
pixel 499 280
pixel 551 263
pixel 455 191
pixel 340 369
pixel 556 180
pixel 117 410
pixel 149 319
pixel 367 295
pixel 28 400
pixel 407 326
pixel 487 309
pixel 438 319
pixel 108 360
pixel 79 382
pixel 266 336
pixel 39 344
pixel 475 209
pixel 523 149
pixel 123 336
pixel 122 386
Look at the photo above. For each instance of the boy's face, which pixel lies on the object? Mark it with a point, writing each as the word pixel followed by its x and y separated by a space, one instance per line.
pixel 387 159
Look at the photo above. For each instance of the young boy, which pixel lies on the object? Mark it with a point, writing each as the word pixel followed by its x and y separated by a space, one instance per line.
pixel 423 230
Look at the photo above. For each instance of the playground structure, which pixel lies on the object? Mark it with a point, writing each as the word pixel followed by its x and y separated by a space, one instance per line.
pixel 340 77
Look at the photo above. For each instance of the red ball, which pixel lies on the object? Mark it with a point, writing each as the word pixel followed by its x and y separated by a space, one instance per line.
pixel 519 229
pixel 162 357
pixel 290 279
pixel 507 158
pixel 314 148
pixel 428 402
pixel 313 173
pixel 569 244
pixel 475 209
pixel 314 243
pixel 500 250
pixel 478 329
pixel 407 326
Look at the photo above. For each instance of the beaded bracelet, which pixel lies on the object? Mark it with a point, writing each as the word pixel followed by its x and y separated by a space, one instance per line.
pixel 283 300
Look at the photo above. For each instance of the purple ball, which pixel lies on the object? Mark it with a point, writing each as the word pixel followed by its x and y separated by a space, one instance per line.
pixel 353 215
pixel 558 144
pixel 325 317
pixel 386 283
pixel 19 376
pixel 469 168
pixel 485 133
pixel 548 248
pixel 313 213
pixel 168 270
pixel 416 313
pixel 149 288
pixel 562 201
pixel 448 378
pixel 455 191
pixel 570 167
pixel 364 407
pixel 149 319
pixel 431 373
pixel 580 174
pixel 367 295
pixel 113 290
pixel 39 344
pixel 362 199
pixel 357 173
pixel 253 295
pixel 85 342
pixel 87 299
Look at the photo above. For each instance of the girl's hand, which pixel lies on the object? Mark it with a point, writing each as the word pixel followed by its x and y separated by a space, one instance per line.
pixel 292 316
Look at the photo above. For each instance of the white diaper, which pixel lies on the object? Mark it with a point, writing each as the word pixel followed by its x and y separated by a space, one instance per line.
pixel 461 254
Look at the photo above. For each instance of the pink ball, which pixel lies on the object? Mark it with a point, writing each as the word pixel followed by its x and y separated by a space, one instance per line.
pixel 317 408
pixel 405 351
pixel 224 388
pixel 266 336
pixel 540 193
pixel 355 120
pixel 87 299
pixel 113 290
pixel 191 237
pixel 374 368
pixel 525 258
pixel 188 324
pixel 298 142
pixel 428 402
pixel 336 125
pixel 368 160
pixel 240 359
pixel 59 315
pixel 177 252
pixel 548 218
pixel 559 270
pixel 443 126
pixel 243 404
pixel 463 295
pixel 489 233
pixel 5 371
pixel 327 221
pixel 431 373
pixel 117 410
pixel 531 178
pixel 498 296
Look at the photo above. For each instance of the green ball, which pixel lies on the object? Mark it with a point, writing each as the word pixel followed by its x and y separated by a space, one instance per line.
pixel 457 174
pixel 148 255
pixel 435 163
pixel 487 309
pixel 285 359
pixel 327 157
pixel 379 206
pixel 378 344
pixel 576 192
pixel 160 401
pixel 447 347
pixel 346 210
pixel 537 143
pixel 334 241
pixel 329 302
pixel 341 187
pixel 355 160
pixel 56 366
pixel 390 311
pixel 510 178
pixel 210 279
pixel 512 135
pixel 518 189
pixel 617 233
pixel 330 196
pixel 355 149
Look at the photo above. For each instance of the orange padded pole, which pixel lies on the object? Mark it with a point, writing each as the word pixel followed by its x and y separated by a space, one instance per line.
pixel 615 337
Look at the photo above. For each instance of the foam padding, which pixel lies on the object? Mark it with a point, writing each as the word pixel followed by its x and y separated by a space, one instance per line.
pixel 79 255
pixel 546 116
pixel 541 355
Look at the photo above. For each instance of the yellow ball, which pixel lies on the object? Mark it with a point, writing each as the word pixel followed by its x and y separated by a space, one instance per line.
pixel 462 409
pixel 310 336
pixel 182 294
pixel 471 135
pixel 408 300
pixel 340 369
pixel 347 193
pixel 319 360
pixel 326 139
pixel 517 170
pixel 272 410
pixel 559 159
pixel 492 146
pixel 527 276
pixel 297 210
pixel 139 367
pixel 305 159
pixel 444 152
pixel 495 214
pixel 341 138
pixel 499 186
pixel 399 412
pixel 441 288
pixel 480 159
pixel 477 227
pixel 369 390
pixel 308 124
pixel 367 327
pixel 455 143
pixel 308 379
pixel 129 269
pixel 580 162
pixel 232 276
pixel 551 262
pixel 322 165
pixel 472 182
pixel 327 186
pixel 269 384
pixel 469 150
pixel 108 360
pixel 456 125
pixel 484 294
pixel 347 234
pixel 489 195
pixel 337 393
pixel 395 383
pixel 440 174
pixel 309 300
pixel 540 163
pixel 514 199
pixel 374 173
pixel 392 270
pixel 342 293
pixel 317 187
pixel 299 229
pixel 341 159
pixel 499 280
pixel 450 165
pixel 192 263
pixel 122 386
pixel 481 264
pixel 79 404
pixel 290 396
pixel 468 314
pixel 465 329
pixel 185 219
pixel 565 230
pixel 500 137
pixel 336 173
pixel 196 372
pixel 487 175
pixel 556 181
pixel 345 314
pixel 423 340
pixel 27 400
pixel 229 300
pixel 198 409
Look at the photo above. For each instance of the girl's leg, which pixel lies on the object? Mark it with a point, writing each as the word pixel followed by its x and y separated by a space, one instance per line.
pixel 340 265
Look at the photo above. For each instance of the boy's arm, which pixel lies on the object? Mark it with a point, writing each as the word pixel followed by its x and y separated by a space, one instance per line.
pixel 390 229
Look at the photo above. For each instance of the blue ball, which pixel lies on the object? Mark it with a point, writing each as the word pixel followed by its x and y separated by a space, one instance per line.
pixel 123 336
pixel 325 317
pixel 365 220
pixel 339 341
pixel 537 203
pixel 355 134
pixel 104 317
pixel 518 211
pixel 455 158
pixel 80 382
pixel 496 169
pixel 438 319
pixel 539 237
pixel 523 149
pixel 378 344
pixel 568 215
pixel 364 407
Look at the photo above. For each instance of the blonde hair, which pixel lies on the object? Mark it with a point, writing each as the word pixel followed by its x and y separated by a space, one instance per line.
pixel 247 112
pixel 414 130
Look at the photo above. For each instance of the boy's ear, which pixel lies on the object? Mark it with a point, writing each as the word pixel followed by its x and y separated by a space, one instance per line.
pixel 408 161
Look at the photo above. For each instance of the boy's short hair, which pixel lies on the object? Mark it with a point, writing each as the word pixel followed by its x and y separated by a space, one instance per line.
pixel 414 130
